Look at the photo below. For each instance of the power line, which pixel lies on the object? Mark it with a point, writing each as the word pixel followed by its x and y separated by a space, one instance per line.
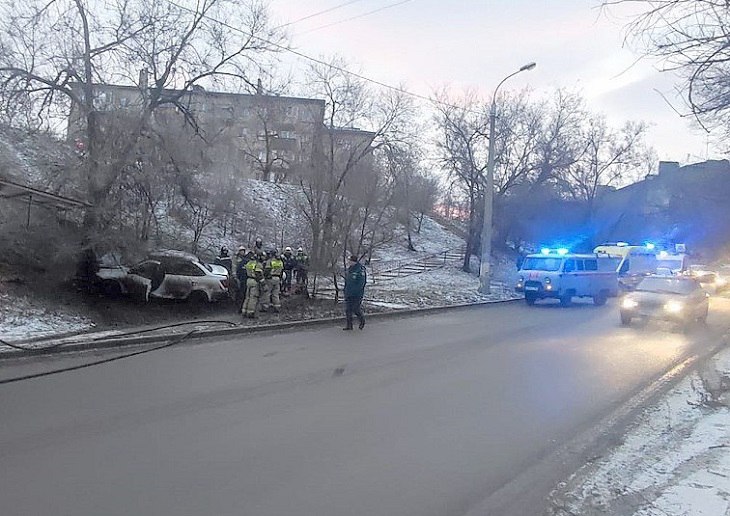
pixel 319 61
pixel 356 17
pixel 318 13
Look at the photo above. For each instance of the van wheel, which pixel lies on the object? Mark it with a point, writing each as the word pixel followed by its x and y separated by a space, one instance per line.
pixel 566 300
pixel 625 319
pixel 530 300
pixel 600 299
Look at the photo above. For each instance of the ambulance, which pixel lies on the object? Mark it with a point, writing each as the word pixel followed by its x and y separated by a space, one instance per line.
pixel 559 274
pixel 633 262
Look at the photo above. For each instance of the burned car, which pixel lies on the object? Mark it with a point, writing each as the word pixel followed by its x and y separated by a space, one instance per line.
pixel 168 275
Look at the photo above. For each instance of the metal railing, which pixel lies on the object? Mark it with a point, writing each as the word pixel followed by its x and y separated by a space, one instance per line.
pixel 398 268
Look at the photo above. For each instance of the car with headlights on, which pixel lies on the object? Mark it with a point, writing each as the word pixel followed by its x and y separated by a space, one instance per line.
pixel 711 281
pixel 562 275
pixel 671 298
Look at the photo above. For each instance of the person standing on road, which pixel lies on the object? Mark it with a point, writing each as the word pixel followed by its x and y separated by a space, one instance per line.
pixel 355 280
pixel 254 277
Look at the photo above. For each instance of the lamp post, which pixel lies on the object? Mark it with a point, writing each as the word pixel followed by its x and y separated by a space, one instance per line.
pixel 484 267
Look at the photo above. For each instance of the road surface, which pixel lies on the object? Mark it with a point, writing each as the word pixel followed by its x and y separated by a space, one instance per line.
pixel 440 414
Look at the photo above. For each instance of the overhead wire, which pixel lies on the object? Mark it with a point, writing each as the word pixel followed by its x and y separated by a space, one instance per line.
pixel 318 13
pixel 284 48
pixel 355 17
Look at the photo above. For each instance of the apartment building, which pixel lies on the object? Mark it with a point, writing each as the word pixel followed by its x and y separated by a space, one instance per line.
pixel 249 135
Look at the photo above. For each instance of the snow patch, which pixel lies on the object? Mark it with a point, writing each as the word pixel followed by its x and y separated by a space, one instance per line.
pixel 675 461
pixel 20 319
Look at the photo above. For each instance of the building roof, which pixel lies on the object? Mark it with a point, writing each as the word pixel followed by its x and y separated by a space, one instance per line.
pixel 204 92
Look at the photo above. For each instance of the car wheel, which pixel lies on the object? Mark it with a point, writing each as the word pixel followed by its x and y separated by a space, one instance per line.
pixel 198 298
pixel 702 319
pixel 625 319
pixel 600 299
pixel 566 300
pixel 112 289
pixel 530 300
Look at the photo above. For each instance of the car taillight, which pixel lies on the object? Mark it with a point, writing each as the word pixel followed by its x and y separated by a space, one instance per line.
pixel 224 283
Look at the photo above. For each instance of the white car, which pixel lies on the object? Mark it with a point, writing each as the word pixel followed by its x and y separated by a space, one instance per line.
pixel 169 275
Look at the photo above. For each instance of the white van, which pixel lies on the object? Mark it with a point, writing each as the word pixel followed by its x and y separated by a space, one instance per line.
pixel 634 262
pixel 564 276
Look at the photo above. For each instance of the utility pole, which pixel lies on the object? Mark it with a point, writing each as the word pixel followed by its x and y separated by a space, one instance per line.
pixel 486 254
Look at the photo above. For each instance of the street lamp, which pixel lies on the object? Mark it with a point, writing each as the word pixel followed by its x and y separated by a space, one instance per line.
pixel 484 267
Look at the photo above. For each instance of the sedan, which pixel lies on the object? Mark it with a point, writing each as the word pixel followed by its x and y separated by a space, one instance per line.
pixel 678 299
pixel 170 275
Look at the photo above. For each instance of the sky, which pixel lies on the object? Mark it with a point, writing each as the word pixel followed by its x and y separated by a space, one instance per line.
pixel 473 44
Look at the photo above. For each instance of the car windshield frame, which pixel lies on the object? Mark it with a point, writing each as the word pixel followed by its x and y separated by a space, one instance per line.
pixel 540 263
pixel 667 285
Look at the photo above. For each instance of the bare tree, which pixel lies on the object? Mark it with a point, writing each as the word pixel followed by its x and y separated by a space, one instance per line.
pixel 462 150
pixel 342 149
pixel 609 158
pixel 57 53
pixel 690 37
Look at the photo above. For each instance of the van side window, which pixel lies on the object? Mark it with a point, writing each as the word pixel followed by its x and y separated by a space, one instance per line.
pixel 591 265
pixel 624 267
pixel 579 265
pixel 569 266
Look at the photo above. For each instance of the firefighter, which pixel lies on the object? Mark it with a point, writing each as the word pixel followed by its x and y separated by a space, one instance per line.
pixel 254 277
pixel 289 265
pixel 302 267
pixel 273 269
pixel 224 260
pixel 258 246
pixel 240 261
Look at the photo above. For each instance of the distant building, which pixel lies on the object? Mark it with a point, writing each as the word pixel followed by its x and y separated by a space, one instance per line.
pixel 250 135
pixel 680 204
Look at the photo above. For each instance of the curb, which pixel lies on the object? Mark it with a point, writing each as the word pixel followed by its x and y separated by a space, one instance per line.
pixel 105 343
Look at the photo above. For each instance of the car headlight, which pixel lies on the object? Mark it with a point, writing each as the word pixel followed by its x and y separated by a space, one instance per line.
pixel 548 281
pixel 673 307
pixel 629 303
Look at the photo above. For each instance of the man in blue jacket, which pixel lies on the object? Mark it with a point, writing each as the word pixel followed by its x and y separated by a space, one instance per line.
pixel 355 280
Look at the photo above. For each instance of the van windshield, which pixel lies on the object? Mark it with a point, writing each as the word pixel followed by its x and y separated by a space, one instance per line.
pixel 541 264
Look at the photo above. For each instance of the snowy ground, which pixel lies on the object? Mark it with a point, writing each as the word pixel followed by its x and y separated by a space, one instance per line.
pixel 22 319
pixel 675 461
pixel 446 286
pixel 432 239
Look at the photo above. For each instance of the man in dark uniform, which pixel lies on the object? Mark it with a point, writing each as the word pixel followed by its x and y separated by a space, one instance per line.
pixel 355 280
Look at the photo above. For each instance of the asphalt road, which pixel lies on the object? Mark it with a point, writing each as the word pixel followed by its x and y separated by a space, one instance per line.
pixel 429 415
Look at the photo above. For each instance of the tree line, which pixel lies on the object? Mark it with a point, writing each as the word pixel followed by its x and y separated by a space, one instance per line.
pixel 136 167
